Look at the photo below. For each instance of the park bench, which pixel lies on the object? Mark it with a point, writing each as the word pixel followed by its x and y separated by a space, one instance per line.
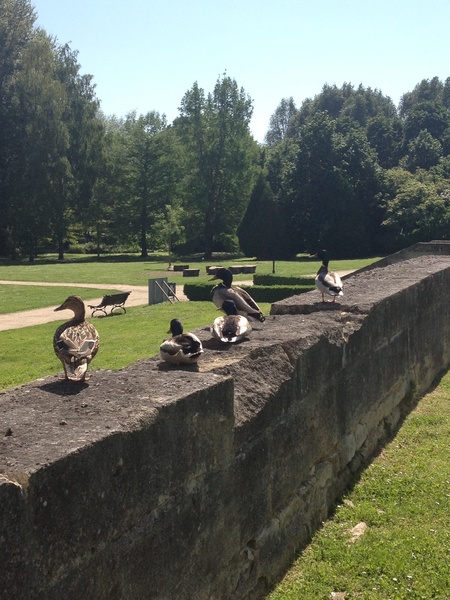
pixel 113 300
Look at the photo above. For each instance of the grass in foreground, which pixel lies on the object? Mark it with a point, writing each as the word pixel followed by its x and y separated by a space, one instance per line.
pixel 404 499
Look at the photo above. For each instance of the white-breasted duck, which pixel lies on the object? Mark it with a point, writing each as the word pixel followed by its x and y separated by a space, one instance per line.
pixel 181 348
pixel 231 327
pixel 327 282
pixel 245 304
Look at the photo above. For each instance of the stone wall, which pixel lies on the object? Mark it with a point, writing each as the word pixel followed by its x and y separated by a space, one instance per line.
pixel 179 484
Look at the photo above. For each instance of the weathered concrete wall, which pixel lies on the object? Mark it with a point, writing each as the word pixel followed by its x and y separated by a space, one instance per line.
pixel 157 483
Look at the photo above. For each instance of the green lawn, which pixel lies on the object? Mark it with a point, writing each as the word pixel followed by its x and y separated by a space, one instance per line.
pixel 404 500
pixel 123 271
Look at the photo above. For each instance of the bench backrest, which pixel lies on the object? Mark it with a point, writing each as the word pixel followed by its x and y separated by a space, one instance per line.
pixel 109 299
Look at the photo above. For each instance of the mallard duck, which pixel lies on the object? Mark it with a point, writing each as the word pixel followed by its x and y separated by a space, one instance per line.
pixel 181 348
pixel 327 282
pixel 76 341
pixel 245 304
pixel 231 327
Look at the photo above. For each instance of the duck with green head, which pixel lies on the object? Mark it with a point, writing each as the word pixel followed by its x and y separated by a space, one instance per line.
pixel 327 282
pixel 245 305
pixel 230 327
pixel 182 348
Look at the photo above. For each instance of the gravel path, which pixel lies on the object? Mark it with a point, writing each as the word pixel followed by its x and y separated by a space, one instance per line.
pixel 26 318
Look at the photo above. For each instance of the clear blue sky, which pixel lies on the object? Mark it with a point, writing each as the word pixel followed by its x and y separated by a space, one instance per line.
pixel 145 54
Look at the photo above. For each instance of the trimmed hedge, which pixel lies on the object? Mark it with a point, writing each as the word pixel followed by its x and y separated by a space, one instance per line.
pixel 284 281
pixel 260 293
pixel 197 292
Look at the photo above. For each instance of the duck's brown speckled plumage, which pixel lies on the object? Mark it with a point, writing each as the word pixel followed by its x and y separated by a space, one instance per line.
pixel 75 342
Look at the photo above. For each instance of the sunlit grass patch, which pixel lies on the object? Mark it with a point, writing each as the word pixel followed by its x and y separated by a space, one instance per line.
pixel 403 498
pixel 110 270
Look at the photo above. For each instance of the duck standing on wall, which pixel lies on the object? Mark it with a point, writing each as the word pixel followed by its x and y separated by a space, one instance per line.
pixel 75 342
pixel 327 282
pixel 231 327
pixel 245 304
pixel 181 348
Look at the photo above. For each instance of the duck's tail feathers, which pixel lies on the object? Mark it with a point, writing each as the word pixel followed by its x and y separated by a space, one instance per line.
pixel 228 336
pixel 258 316
pixel 336 291
pixel 77 369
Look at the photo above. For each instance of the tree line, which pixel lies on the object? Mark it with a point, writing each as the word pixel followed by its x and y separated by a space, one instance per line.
pixel 350 171
pixel 347 169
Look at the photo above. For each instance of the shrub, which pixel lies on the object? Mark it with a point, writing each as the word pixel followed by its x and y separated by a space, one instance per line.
pixel 260 293
pixel 274 293
pixel 197 292
pixel 272 280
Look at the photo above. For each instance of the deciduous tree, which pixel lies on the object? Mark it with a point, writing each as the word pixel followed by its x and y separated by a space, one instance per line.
pixel 418 211
pixel 424 152
pixel 280 120
pixel 17 18
pixel 220 154
pixel 40 173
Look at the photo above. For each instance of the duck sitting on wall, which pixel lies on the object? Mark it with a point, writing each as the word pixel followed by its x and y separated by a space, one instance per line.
pixel 75 342
pixel 327 282
pixel 231 327
pixel 181 348
pixel 245 304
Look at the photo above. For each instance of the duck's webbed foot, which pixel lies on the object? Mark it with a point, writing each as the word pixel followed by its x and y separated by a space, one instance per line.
pixel 66 376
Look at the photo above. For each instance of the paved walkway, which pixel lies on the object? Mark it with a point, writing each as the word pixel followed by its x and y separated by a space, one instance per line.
pixel 26 318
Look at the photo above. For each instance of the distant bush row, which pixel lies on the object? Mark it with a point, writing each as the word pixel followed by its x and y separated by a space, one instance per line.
pixel 260 293
pixel 290 281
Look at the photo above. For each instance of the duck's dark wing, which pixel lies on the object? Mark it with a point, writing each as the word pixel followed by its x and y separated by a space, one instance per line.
pixel 190 344
pixel 246 305
pixel 329 282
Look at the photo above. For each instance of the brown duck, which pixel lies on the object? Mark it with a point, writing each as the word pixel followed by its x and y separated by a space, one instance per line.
pixel 76 341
